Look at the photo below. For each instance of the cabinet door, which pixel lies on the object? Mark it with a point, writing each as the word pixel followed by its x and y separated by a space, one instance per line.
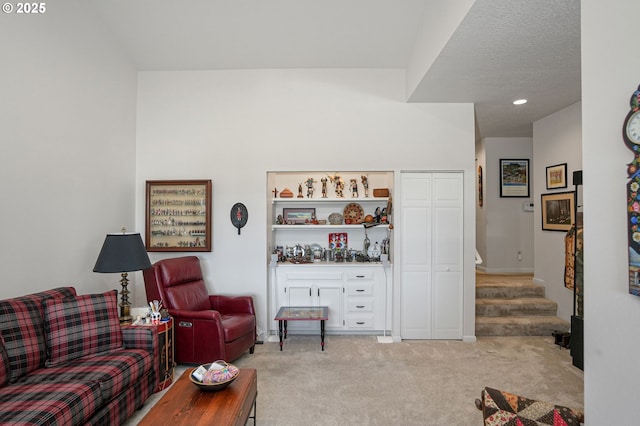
pixel 331 296
pixel 299 294
pixel 431 275
pixel 447 256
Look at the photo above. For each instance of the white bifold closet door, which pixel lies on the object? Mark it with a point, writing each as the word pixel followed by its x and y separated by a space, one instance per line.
pixel 431 256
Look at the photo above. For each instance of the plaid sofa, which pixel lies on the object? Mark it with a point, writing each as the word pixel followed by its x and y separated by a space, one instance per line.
pixel 66 360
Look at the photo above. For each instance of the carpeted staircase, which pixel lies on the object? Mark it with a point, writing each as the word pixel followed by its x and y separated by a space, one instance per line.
pixel 512 305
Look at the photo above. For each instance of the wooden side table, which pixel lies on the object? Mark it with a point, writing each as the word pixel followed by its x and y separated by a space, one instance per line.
pixel 166 361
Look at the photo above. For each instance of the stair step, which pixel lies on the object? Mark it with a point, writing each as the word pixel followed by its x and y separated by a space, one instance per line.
pixel 537 306
pixel 520 326
pixel 513 290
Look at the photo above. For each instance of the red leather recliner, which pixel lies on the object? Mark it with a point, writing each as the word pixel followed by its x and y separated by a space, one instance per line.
pixel 207 327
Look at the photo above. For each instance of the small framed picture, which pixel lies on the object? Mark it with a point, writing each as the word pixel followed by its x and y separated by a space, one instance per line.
pixel 558 211
pixel 298 216
pixel 514 178
pixel 557 176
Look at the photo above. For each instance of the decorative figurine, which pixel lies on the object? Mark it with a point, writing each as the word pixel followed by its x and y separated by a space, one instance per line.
pixel 354 188
pixel 365 184
pixel 275 192
pixel 300 191
pixel 339 184
pixel 324 187
pixel 309 183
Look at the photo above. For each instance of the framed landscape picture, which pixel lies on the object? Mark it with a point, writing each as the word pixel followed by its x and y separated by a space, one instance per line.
pixel 514 178
pixel 558 211
pixel 557 176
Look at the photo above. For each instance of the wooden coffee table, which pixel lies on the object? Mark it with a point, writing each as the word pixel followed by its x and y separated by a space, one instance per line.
pixel 185 404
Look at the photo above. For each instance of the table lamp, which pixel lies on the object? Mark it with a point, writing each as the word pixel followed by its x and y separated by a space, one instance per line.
pixel 123 253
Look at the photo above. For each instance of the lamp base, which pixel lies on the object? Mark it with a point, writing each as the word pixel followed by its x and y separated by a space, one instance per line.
pixel 125 305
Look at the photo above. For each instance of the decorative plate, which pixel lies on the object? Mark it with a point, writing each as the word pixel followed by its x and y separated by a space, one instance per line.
pixel 355 212
pixel 335 219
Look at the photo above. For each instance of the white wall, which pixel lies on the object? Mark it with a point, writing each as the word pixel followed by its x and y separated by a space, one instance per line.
pixel 556 139
pixel 481 210
pixel 67 120
pixel 234 126
pixel 508 228
pixel 610 74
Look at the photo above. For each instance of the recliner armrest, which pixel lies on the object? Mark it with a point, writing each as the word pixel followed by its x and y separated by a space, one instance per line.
pixel 232 304
pixel 210 314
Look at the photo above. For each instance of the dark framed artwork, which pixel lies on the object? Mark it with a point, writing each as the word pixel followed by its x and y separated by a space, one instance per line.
pixel 178 215
pixel 557 176
pixel 298 216
pixel 514 178
pixel 558 211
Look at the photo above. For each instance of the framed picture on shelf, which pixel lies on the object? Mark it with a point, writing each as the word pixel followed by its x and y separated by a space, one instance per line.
pixel 558 211
pixel 514 178
pixel 178 215
pixel 298 216
pixel 557 176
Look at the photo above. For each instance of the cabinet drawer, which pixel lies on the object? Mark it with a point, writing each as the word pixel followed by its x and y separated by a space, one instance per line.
pixel 314 276
pixel 360 275
pixel 361 321
pixel 362 289
pixel 360 305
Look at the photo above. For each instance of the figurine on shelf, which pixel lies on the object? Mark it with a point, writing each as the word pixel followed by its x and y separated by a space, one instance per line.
pixel 300 191
pixel 354 188
pixel 324 187
pixel 309 183
pixel 275 192
pixel 365 184
pixel 339 184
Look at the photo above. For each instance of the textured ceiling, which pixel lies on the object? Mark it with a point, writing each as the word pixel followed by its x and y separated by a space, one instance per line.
pixel 502 50
pixel 506 50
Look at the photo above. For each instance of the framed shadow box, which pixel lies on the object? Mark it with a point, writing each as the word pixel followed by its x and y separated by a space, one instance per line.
pixel 178 215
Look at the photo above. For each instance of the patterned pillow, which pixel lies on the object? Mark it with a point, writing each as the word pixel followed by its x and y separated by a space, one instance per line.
pixel 22 329
pixel 81 326
pixel 503 408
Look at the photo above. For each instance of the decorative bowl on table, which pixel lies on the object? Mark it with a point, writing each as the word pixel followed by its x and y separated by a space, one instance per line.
pixel 211 379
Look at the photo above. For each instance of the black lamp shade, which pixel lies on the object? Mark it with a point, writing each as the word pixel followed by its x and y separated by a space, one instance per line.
pixel 122 253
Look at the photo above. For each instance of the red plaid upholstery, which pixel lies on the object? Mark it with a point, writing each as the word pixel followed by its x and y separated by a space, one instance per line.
pixel 122 406
pixel 114 371
pixel 136 337
pixel 81 326
pixel 4 364
pixel 48 403
pixel 22 329
pixel 104 388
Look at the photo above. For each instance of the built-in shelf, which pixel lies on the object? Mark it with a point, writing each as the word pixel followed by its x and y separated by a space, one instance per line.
pixel 316 227
pixel 331 200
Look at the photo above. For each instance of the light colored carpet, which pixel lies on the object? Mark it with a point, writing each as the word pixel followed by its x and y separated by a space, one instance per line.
pixel 358 381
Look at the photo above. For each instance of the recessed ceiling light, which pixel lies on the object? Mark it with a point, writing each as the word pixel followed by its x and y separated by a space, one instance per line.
pixel 520 102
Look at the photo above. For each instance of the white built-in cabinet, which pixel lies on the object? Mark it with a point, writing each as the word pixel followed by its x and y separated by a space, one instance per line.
pixel 431 255
pixel 357 293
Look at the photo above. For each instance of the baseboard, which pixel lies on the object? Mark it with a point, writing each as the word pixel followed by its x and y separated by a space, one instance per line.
pixel 506 271
pixel 469 339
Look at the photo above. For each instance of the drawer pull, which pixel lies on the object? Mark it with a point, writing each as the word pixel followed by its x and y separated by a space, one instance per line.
pixel 360 306
pixel 360 322
pixel 360 290
pixel 359 276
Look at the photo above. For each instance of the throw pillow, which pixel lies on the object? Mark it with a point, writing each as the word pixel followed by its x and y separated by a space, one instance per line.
pixel 81 326
pixel 504 408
